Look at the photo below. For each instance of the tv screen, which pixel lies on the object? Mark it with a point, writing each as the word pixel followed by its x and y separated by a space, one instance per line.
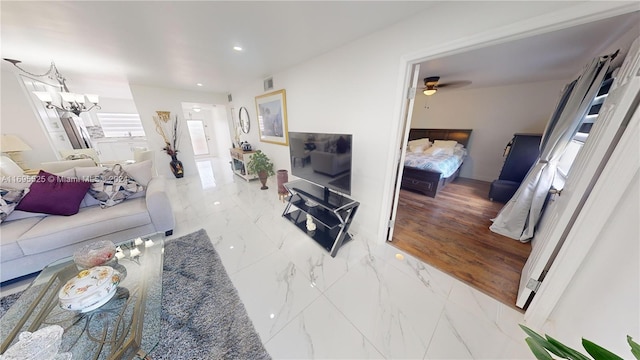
pixel 323 159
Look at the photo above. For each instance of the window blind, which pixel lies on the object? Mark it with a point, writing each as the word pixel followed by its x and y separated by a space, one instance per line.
pixel 120 125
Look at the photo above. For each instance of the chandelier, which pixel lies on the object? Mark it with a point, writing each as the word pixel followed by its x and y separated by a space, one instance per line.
pixel 68 101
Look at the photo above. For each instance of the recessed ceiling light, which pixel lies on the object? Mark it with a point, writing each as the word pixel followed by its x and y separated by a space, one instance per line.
pixel 199 84
pixel 196 109
pixel 237 48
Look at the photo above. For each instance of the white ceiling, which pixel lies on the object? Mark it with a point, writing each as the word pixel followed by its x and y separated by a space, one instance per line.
pixel 178 44
pixel 109 44
pixel 556 55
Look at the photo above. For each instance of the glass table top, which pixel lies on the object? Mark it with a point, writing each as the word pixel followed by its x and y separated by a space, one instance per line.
pixel 127 326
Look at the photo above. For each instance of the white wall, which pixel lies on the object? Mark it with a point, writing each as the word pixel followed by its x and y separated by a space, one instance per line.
pixel 148 100
pixel 19 117
pixel 601 303
pixel 221 134
pixel 494 114
pixel 358 89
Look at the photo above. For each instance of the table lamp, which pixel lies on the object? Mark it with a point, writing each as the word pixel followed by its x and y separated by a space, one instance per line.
pixel 13 146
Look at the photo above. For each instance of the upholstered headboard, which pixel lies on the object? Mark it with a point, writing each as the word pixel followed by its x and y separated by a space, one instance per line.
pixel 459 135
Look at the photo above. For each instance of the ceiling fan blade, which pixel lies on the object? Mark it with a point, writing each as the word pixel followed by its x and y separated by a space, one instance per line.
pixel 455 84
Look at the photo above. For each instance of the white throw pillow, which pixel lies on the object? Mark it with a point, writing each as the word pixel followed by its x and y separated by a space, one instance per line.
pixel 141 172
pixel 434 150
pixel 447 151
pixel 419 145
pixel 445 143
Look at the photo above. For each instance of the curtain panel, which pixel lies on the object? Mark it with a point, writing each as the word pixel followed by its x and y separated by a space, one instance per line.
pixel 518 218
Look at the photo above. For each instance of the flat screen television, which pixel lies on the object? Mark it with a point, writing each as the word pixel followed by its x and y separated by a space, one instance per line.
pixel 323 159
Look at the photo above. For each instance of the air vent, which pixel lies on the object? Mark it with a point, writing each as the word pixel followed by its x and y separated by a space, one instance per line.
pixel 268 84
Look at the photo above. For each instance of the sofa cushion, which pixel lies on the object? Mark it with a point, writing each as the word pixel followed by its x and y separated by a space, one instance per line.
pixel 141 172
pixel 57 231
pixel 10 232
pixel 89 173
pixel 113 186
pixel 52 194
pixel 19 214
pixel 9 199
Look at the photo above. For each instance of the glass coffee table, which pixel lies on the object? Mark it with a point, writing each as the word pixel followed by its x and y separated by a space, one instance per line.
pixel 126 327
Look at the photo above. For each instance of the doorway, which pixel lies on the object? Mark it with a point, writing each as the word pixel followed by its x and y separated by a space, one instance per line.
pixel 472 183
pixel 208 129
pixel 199 137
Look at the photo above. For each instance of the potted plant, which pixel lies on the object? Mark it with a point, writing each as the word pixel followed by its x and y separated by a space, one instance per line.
pixel 261 165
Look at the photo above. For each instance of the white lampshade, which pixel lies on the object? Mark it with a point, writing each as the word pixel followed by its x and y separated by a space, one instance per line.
pixel 68 97
pixel 11 143
pixel 79 98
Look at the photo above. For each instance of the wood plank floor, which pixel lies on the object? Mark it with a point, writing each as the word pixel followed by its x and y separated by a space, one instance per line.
pixel 451 232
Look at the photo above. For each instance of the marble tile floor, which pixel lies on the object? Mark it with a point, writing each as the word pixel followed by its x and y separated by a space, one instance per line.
pixel 371 301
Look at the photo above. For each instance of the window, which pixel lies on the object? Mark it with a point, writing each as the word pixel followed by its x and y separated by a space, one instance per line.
pixel 574 147
pixel 120 125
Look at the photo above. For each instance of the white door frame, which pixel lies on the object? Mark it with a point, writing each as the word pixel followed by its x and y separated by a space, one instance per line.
pixel 555 281
pixel 407 115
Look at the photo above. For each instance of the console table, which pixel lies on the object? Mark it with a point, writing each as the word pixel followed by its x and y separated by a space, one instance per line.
pixel 239 160
pixel 331 212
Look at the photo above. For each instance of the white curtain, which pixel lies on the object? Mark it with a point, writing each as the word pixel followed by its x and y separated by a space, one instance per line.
pixel 520 215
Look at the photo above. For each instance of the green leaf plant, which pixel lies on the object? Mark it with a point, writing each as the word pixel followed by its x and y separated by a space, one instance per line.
pixel 260 162
pixel 544 347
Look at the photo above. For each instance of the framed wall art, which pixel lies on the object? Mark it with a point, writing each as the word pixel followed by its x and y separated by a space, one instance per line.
pixel 272 117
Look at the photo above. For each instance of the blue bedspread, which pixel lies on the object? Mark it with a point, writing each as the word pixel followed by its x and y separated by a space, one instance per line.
pixel 444 163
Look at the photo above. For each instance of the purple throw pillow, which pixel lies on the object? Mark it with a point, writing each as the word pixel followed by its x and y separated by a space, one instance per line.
pixel 55 195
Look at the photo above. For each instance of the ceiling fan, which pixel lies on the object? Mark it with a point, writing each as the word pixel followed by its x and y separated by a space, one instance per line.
pixel 431 84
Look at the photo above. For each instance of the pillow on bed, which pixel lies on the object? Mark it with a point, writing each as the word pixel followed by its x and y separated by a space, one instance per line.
pixel 434 150
pixel 444 143
pixel 418 149
pixel 419 145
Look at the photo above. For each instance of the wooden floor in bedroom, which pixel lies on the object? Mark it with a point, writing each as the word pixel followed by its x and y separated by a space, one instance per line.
pixel 451 232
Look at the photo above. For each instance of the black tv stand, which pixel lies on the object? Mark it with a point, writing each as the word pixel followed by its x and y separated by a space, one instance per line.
pixel 331 213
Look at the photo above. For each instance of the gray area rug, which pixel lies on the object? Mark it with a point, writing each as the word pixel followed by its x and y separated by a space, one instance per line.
pixel 202 314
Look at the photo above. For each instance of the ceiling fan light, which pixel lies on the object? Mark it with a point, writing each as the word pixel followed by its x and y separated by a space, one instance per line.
pixel 429 91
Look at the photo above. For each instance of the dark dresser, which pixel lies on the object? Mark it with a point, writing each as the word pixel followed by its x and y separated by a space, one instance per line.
pixel 519 155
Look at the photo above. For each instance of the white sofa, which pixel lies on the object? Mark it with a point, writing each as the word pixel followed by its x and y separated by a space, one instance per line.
pixel 30 241
pixel 330 164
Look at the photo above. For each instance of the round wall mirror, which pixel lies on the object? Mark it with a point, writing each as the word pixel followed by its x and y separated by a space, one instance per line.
pixel 245 124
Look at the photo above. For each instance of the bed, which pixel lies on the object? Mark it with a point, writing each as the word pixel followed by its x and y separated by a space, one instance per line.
pixel 430 181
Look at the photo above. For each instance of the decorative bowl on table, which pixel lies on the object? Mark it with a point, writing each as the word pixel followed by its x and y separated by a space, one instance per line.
pixel 90 289
pixel 42 344
pixel 94 254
